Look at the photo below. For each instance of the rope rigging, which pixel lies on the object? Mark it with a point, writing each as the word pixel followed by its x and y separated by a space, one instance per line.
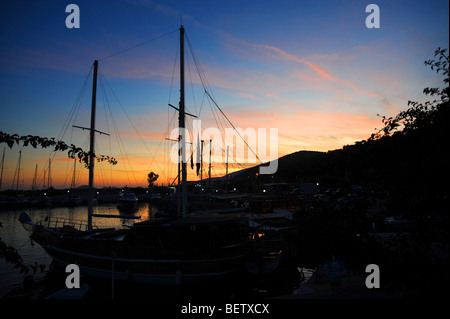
pixel 137 45
pixel 207 91
pixel 70 119
pixel 207 95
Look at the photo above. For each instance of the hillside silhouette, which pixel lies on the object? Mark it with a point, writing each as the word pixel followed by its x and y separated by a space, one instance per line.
pixel 408 154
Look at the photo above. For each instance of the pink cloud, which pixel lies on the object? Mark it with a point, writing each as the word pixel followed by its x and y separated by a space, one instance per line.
pixel 316 68
pixel 311 130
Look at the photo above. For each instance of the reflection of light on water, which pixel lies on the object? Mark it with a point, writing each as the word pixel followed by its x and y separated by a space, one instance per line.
pixel 143 210
pixel 146 211
pixel 13 233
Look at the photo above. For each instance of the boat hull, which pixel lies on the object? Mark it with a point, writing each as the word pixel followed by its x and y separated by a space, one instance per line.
pixel 170 272
pixel 161 254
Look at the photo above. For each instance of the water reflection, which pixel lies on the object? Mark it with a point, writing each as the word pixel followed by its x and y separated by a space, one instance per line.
pixel 14 234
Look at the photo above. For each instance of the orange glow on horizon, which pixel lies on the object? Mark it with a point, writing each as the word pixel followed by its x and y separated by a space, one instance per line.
pixel 301 131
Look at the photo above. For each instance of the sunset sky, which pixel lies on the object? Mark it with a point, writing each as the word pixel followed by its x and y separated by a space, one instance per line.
pixel 311 69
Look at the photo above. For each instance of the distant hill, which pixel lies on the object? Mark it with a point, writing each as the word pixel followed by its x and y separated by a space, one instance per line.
pixel 408 155
pixel 415 161
pixel 293 167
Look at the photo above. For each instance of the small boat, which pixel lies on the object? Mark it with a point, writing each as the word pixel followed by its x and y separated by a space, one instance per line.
pixel 398 223
pixel 127 199
pixel 72 201
pixel 267 244
pixel 271 222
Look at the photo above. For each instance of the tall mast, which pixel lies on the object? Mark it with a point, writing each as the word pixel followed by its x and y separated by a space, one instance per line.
pixel 18 170
pixel 226 174
pixel 73 176
pixel 3 164
pixel 209 169
pixel 201 171
pixel 34 186
pixel 49 178
pixel 179 180
pixel 91 148
pixel 181 123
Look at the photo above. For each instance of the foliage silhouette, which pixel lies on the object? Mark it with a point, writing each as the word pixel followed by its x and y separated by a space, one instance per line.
pixel 9 253
pixel 151 179
pixel 12 256
pixel 422 115
pixel 59 146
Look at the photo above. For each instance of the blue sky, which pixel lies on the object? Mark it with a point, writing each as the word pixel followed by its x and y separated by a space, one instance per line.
pixel 309 68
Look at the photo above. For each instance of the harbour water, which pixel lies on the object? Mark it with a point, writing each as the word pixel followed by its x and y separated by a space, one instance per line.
pixel 291 280
pixel 14 234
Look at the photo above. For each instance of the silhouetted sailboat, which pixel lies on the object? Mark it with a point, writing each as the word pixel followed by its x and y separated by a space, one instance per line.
pixel 165 251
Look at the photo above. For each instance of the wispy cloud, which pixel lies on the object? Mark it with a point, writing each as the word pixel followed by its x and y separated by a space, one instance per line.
pixel 28 57
pixel 291 57
pixel 257 50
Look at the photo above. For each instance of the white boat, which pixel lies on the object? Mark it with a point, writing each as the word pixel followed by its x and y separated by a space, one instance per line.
pixel 127 199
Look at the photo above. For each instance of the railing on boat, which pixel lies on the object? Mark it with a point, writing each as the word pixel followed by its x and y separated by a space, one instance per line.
pixel 61 222
pixel 77 224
